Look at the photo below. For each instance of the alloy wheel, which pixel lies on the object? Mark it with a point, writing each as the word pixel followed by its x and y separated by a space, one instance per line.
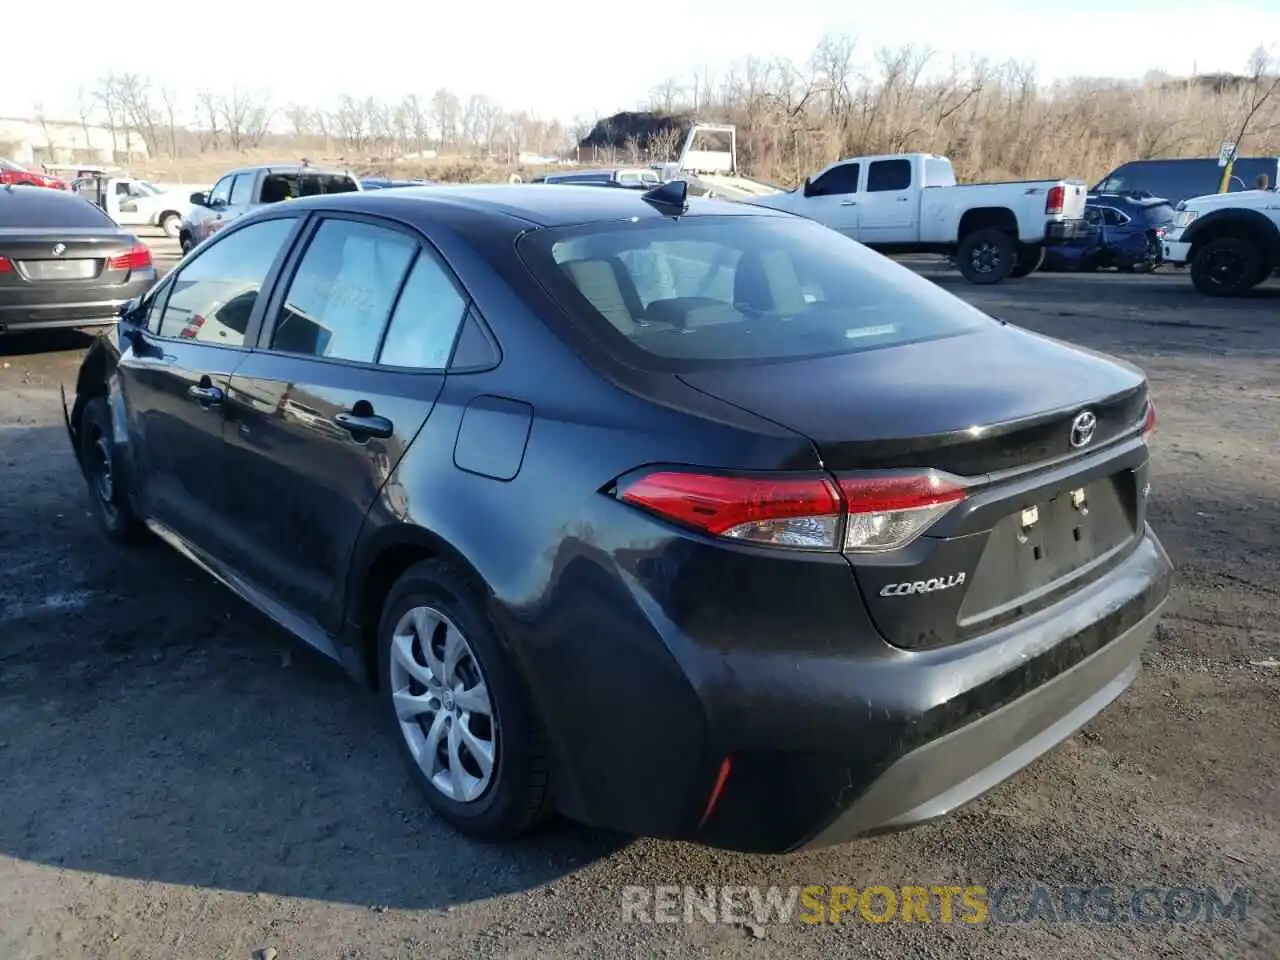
pixel 442 703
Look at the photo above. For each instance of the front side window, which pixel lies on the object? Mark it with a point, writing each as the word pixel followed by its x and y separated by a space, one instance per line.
pixel 341 297
pixel 712 291
pixel 836 181
pixel 213 296
pixel 221 192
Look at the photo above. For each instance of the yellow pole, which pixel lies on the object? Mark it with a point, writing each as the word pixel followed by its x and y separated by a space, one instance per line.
pixel 1226 174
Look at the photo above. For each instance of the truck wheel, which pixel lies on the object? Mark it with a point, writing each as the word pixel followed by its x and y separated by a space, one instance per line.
pixel 986 256
pixel 1028 262
pixel 171 224
pixel 1227 267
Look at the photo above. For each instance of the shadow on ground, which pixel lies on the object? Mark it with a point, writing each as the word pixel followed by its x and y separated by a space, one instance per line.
pixel 153 726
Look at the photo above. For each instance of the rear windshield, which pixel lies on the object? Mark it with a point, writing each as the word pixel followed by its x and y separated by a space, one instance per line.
pixel 36 207
pixel 712 291
pixel 289 186
pixel 1159 213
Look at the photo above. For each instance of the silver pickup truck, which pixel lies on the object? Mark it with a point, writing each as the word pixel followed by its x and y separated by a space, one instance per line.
pixel 248 188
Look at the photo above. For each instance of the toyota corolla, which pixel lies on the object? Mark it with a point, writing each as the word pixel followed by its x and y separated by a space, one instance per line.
pixel 681 517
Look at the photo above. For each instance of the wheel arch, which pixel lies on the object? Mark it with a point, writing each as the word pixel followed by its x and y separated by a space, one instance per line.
pixel 378 564
pixel 92 380
pixel 983 218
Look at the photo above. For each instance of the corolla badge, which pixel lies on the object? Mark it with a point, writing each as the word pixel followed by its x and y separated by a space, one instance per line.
pixel 1083 428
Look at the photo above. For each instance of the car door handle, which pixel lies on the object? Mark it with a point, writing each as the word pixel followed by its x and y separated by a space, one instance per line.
pixel 205 394
pixel 848 203
pixel 370 425
pixel 903 199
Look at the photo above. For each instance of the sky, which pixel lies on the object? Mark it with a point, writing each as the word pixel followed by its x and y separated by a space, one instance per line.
pixel 526 56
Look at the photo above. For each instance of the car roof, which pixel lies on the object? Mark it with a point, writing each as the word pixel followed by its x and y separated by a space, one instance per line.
pixel 531 203
pixel 1122 198
pixel 289 168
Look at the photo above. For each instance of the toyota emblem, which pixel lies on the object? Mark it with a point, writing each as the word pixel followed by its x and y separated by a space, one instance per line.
pixel 59 249
pixel 1083 428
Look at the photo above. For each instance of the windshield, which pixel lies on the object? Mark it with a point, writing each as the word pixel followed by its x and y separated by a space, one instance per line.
pixel 148 187
pixel 1159 213
pixel 696 292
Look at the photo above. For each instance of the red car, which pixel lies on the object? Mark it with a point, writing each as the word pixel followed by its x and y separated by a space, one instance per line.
pixel 10 172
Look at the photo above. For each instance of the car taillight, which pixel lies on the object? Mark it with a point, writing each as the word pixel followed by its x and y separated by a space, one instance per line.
pixel 1055 199
pixel 138 258
pixel 869 514
pixel 6 265
pixel 888 512
pixel 781 511
pixel 1149 422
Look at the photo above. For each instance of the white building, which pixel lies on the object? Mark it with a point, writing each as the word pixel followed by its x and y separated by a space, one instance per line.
pixel 32 142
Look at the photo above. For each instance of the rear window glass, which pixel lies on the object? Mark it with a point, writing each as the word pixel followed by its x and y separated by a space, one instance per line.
pixel 1160 213
pixel 289 186
pixel 35 207
pixel 712 291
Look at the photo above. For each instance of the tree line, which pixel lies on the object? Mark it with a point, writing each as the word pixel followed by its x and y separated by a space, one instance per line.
pixel 995 120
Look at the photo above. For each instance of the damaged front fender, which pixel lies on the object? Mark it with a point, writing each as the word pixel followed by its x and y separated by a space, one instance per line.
pixel 93 380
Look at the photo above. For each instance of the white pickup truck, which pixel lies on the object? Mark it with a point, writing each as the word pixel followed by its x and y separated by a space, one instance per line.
pixel 1230 240
pixel 911 203
pixel 137 203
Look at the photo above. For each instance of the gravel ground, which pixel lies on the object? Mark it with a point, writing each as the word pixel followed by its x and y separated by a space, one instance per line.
pixel 180 780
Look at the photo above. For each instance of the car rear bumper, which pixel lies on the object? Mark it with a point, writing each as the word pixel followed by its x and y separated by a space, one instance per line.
pixel 748 731
pixel 18 319
pixel 1062 231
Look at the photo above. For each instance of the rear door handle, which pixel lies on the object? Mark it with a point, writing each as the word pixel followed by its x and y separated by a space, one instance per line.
pixel 363 427
pixel 205 394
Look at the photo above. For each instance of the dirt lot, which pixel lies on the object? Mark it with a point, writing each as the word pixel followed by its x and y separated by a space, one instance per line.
pixel 181 781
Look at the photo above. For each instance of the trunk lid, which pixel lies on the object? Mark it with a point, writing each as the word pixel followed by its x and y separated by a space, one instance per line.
pixel 1041 518
pixel 60 256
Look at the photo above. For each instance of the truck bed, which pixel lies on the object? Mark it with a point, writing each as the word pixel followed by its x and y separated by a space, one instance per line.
pixel 731 187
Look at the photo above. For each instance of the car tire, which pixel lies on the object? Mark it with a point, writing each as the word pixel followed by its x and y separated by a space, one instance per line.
pixel 171 224
pixel 1227 267
pixel 514 795
pixel 1030 259
pixel 986 256
pixel 108 495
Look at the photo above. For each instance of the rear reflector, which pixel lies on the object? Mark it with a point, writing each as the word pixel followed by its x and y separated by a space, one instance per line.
pixel 868 514
pixel 1055 200
pixel 6 265
pixel 138 258
pixel 1149 422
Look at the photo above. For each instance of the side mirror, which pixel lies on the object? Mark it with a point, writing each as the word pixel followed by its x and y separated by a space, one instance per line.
pixel 200 198
pixel 806 188
pixel 129 308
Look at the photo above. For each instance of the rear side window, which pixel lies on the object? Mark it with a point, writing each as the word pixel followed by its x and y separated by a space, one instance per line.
pixel 213 296
pixel 885 175
pixel 713 291
pixel 36 207
pixel 426 318
pixel 341 297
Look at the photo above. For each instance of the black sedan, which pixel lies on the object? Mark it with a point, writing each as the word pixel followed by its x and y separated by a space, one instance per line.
pixel 686 518
pixel 64 263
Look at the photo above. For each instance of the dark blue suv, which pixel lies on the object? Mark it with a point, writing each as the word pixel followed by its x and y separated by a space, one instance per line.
pixel 1122 231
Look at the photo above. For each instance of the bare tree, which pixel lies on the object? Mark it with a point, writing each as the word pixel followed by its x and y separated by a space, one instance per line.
pixel 107 95
pixel 211 109
pixel 246 116
pixel 172 104
pixel 138 108
pixel 445 111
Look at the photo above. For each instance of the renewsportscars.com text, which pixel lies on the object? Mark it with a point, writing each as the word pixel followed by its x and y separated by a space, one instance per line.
pixel 967 904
